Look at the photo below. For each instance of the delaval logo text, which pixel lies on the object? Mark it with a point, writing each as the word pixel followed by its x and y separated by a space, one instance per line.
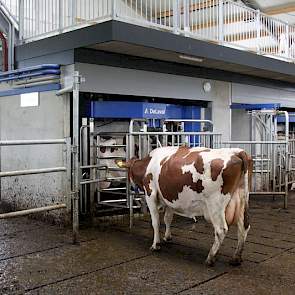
pixel 154 110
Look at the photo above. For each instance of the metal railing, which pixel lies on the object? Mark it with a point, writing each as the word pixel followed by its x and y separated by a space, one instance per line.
pixel 270 166
pixel 40 19
pixel 222 21
pixel 66 169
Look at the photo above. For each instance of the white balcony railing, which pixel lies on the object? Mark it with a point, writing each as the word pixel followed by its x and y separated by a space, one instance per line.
pixel 221 21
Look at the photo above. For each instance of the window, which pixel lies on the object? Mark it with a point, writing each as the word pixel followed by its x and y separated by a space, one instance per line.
pixel 29 99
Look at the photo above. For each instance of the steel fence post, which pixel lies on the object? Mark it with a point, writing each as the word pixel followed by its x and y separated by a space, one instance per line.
pixel 75 150
pixel 176 16
pixel 220 22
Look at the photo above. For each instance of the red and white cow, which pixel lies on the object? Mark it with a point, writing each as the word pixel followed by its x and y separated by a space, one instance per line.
pixel 196 182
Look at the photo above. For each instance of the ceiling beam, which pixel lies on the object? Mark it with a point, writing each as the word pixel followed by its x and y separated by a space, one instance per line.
pixel 273 10
pixel 250 3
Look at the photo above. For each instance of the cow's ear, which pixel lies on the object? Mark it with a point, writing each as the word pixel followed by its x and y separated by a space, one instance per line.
pixel 122 164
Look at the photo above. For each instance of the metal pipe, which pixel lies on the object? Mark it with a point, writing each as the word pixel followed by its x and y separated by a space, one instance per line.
pixel 68 160
pixel 75 148
pixel 190 120
pixel 32 211
pixel 113 189
pixel 31 142
pixel 267 193
pixel 132 123
pixel 31 84
pixel 5 52
pixel 32 171
pixel 83 160
pixel 33 80
pixel 175 133
pixel 98 166
pixel 119 200
pixel 116 205
pixel 10 44
pixel 255 142
pixel 65 90
pixel 287 164
pixel 92 181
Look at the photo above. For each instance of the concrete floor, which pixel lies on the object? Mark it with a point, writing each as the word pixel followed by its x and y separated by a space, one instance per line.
pixel 36 258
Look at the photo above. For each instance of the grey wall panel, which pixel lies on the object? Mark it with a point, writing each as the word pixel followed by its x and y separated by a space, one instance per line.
pixel 240 125
pixel 255 94
pixel 104 79
pixel 50 120
pixel 221 112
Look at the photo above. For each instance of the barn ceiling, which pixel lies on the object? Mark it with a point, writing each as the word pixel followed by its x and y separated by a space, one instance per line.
pixel 281 9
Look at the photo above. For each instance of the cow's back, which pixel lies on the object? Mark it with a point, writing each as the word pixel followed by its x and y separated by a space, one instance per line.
pixel 187 178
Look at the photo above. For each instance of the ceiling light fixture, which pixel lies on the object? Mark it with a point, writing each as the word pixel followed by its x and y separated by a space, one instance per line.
pixel 191 58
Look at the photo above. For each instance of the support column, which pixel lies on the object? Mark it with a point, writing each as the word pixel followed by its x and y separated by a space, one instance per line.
pixel 76 161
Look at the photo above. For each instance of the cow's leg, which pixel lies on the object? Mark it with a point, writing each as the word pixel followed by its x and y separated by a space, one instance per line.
pixel 242 235
pixel 152 204
pixel 243 228
pixel 168 219
pixel 217 217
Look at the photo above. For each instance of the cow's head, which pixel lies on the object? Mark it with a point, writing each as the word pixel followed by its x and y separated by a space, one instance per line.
pixel 136 169
pixel 125 164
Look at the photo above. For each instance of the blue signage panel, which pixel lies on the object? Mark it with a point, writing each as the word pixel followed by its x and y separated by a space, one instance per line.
pixel 128 109
pixel 259 106
pixel 154 110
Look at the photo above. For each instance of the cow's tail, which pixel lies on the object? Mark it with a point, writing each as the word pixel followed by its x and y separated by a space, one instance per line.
pixel 247 169
pixel 246 202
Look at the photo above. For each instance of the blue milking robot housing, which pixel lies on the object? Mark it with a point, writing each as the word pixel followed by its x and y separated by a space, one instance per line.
pixel 154 112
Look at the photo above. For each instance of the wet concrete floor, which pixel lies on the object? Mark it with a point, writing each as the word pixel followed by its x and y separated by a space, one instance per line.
pixel 37 258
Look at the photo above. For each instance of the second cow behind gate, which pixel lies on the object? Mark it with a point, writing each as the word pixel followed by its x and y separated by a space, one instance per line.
pixel 192 182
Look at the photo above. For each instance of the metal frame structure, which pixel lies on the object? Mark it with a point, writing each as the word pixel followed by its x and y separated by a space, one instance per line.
pixel 75 90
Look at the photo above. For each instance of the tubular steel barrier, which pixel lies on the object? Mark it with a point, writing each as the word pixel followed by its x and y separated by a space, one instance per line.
pixel 65 169
pixel 224 21
pixel 270 166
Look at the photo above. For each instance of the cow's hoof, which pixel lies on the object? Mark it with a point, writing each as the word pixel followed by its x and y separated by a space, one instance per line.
pixel 155 248
pixel 167 240
pixel 236 261
pixel 210 262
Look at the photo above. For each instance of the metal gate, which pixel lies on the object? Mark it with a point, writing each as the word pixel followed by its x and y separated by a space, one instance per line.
pixel 271 153
pixel 65 169
pixel 69 167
